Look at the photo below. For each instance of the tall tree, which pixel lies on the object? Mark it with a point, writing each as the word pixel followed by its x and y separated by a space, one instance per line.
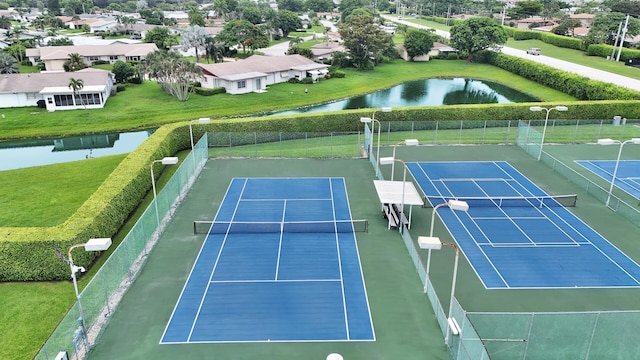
pixel 161 36
pixel 194 37
pixel 196 17
pixel 291 5
pixel 476 34
pixel 8 64
pixel 122 71
pixel 173 73
pixel 243 33
pixel 319 5
pixel 53 7
pixel 213 50
pixel 288 21
pixel 5 22
pixel 418 42
pixel 525 9
pixel 366 41
pixel 605 27
pixel 76 85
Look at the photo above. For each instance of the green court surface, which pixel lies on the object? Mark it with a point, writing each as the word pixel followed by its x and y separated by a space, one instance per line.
pixel 405 325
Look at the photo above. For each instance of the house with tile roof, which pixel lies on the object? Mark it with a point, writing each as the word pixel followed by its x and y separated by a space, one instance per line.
pixel 255 73
pixel 51 90
pixel 54 57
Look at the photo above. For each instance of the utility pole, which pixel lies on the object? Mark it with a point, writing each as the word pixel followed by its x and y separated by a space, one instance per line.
pixel 624 33
pixel 615 43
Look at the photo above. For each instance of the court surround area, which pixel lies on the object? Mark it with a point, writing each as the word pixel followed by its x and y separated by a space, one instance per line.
pixel 627 174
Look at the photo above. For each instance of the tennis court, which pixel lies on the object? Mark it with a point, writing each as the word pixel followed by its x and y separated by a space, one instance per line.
pixel 280 263
pixel 627 175
pixel 515 235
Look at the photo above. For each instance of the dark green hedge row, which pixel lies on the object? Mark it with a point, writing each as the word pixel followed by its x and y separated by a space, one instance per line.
pixel 441 20
pixel 549 38
pixel 575 85
pixel 26 254
pixel 604 50
pixel 209 92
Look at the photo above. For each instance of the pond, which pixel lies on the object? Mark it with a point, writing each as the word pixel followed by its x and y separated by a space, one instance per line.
pixel 430 92
pixel 27 153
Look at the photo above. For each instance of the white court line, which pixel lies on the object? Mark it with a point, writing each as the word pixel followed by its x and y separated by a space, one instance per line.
pixel 344 299
pixel 195 320
pixel 549 244
pixel 280 199
pixel 284 211
pixel 274 281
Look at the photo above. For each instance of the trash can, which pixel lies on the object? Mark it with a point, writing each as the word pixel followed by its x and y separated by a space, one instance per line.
pixel 616 120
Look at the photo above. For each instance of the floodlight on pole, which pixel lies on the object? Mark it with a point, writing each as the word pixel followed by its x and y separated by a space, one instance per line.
pixel 169 160
pixel 408 142
pixel 457 205
pixel 546 119
pixel 94 244
pixel 373 120
pixel 635 141
pixel 434 243
pixel 199 121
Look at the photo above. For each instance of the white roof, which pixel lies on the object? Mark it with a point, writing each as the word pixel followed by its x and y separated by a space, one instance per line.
pixel 390 192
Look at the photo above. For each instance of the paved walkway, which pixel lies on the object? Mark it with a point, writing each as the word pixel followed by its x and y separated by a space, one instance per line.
pixel 586 71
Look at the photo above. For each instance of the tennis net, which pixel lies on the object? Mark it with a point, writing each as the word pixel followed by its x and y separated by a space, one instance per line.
pixel 223 227
pixel 509 201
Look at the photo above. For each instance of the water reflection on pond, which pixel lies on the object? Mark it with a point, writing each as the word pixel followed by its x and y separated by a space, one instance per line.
pixel 27 153
pixel 430 92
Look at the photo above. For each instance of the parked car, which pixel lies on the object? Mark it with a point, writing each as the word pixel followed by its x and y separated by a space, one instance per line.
pixel 533 51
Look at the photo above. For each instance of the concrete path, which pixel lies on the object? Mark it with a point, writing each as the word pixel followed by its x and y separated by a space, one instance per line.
pixel 586 71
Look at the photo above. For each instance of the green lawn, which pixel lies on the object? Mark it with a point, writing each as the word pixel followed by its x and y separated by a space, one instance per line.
pixel 144 106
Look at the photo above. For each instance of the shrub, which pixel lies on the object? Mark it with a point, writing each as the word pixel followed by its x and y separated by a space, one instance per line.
pixel 209 92
pixel 293 80
pixel 337 74
pixel 306 80
pixel 121 87
pixel 452 56
pixel 604 50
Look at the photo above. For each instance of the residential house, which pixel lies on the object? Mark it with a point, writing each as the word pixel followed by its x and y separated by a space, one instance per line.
pixel 54 57
pixel 52 91
pixel 255 73
pixel 325 50
pixel 528 23
pixel 437 50
pixel 585 19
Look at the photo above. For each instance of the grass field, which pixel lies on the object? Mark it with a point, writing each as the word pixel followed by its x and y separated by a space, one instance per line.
pixel 144 106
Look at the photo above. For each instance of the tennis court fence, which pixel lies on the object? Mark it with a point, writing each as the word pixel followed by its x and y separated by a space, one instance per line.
pixel 238 227
pixel 530 140
pixel 102 294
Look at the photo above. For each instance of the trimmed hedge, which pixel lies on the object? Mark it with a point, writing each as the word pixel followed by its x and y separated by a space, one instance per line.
pixel 26 254
pixel 577 86
pixel 209 92
pixel 549 38
pixel 604 50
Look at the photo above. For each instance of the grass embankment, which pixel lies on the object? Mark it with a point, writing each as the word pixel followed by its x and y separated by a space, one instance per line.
pixel 144 106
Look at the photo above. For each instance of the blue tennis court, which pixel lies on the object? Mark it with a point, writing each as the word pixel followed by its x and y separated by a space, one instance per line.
pixel 627 176
pixel 280 263
pixel 515 235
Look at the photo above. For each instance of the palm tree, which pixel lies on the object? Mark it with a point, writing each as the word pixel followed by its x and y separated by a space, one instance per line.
pixel 213 50
pixel 8 64
pixel 75 63
pixel 5 22
pixel 76 85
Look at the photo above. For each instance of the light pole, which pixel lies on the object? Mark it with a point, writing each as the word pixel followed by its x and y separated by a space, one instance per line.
pixel 453 205
pixel 200 121
pixel 373 120
pixel 615 168
pixel 95 244
pixel 408 142
pixel 434 243
pixel 170 160
pixel 546 119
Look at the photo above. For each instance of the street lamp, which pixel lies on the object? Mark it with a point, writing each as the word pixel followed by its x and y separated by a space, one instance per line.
pixel 544 130
pixel 408 142
pixel 615 168
pixel 453 205
pixel 200 121
pixel 95 244
pixel 170 160
pixel 373 120
pixel 434 243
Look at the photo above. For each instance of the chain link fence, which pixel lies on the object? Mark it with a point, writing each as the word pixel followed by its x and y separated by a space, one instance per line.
pixel 102 294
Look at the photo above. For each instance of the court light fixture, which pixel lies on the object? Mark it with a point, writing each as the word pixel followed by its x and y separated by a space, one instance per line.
pixel 408 142
pixel 434 243
pixel 199 121
pixel 169 160
pixel 93 244
pixel 373 120
pixel 546 119
pixel 608 141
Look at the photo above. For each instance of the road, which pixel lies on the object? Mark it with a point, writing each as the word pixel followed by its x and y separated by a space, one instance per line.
pixel 585 71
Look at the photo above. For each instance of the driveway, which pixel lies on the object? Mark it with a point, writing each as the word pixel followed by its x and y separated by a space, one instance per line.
pixel 585 71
